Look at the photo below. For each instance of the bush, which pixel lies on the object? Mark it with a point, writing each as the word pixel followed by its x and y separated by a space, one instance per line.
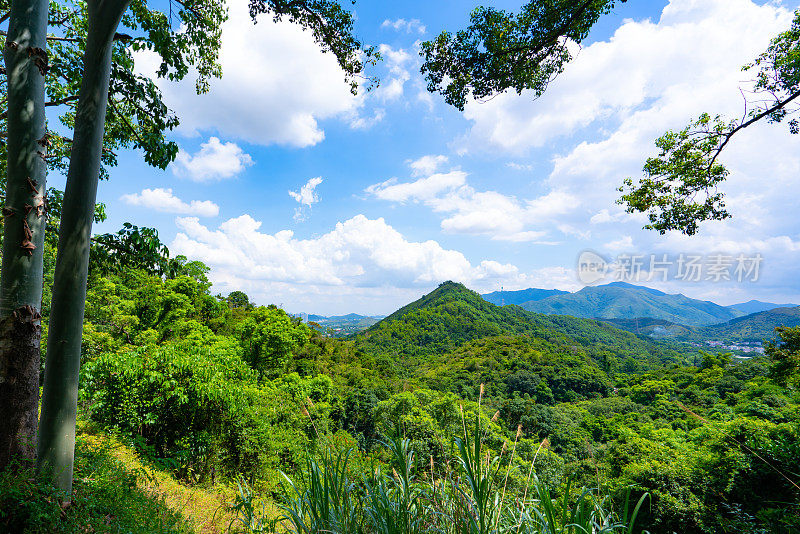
pixel 189 407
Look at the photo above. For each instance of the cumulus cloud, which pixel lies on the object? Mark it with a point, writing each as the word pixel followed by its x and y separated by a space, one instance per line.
pixel 276 87
pixel 469 211
pixel 357 254
pixel 214 161
pixel 403 25
pixel 424 189
pixel 164 200
pixel 398 62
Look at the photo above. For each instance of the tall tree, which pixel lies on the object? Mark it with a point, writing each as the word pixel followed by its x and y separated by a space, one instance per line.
pixel 331 27
pixel 136 118
pixel 679 187
pixel 23 230
pixel 500 50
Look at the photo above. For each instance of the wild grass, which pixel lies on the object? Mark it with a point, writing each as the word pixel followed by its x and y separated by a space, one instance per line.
pixel 470 499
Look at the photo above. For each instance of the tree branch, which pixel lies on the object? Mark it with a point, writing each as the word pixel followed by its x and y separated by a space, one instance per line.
pixel 777 107
pixel 65 100
pixel 550 40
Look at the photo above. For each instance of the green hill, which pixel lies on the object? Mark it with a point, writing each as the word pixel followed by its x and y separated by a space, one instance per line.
pixel 753 328
pixel 625 301
pixel 451 316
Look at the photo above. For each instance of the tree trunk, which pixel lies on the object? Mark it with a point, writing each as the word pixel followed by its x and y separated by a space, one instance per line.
pixel 23 231
pixel 60 395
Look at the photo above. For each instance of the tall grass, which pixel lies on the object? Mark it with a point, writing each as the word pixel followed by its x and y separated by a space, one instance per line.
pixel 469 499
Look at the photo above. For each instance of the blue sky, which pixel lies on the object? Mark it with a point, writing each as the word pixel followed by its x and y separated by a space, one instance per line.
pixel 403 192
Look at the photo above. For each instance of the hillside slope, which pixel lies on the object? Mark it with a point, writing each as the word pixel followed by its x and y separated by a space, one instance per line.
pixel 625 301
pixel 753 328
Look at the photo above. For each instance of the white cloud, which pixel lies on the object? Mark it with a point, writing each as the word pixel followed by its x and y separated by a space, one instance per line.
pixel 625 243
pixel 469 211
pixel 358 253
pixel 276 86
pixel 397 62
pixel 358 122
pixel 519 166
pixel 306 196
pixel 408 26
pixel 165 201
pixel 214 161
pixel 426 165
pixel 424 189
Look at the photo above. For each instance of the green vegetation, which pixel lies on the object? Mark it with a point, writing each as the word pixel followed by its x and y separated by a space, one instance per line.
pixel 216 391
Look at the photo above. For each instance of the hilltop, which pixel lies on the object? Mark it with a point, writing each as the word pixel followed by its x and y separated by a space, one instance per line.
pixel 755 306
pixel 452 315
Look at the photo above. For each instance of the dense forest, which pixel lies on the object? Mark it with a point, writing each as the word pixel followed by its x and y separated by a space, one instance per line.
pixel 215 390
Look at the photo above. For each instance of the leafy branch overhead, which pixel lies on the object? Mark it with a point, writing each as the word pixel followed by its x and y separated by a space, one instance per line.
pixel 332 28
pixel 185 39
pixel 679 187
pixel 499 50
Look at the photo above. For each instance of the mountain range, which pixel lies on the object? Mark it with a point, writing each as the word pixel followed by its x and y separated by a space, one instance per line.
pixel 623 301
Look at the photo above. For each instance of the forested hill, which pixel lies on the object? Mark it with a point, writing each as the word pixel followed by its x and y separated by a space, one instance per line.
pixel 626 301
pixel 452 315
pixel 753 328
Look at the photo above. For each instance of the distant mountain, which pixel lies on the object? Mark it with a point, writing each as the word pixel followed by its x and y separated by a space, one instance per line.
pixel 753 328
pixel 452 316
pixel 620 300
pixel 501 298
pixel 755 306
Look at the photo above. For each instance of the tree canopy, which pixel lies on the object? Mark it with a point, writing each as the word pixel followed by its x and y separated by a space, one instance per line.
pixel 500 50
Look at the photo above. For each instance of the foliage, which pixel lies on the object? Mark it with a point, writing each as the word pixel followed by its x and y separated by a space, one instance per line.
pixel 688 165
pixel 469 500
pixel 501 50
pixel 785 356
pixel 187 404
pixel 174 371
pixel 269 337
